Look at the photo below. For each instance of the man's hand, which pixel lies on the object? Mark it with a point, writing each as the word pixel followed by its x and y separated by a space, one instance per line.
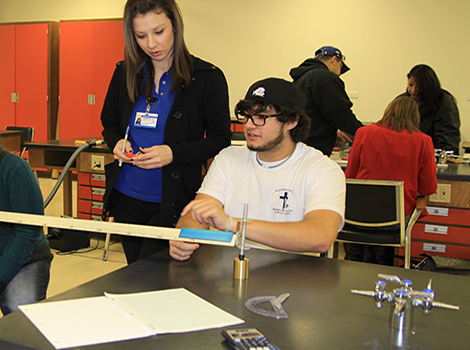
pixel 342 137
pixel 181 250
pixel 207 210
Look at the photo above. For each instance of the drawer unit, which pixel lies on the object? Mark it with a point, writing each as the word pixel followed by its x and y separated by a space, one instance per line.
pixel 90 179
pixel 91 189
pixel 91 193
pixel 90 207
pixel 438 248
pixel 449 216
pixel 440 233
pixel 445 231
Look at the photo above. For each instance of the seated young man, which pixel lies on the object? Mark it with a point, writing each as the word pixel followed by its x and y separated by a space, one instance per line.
pixel 25 256
pixel 296 196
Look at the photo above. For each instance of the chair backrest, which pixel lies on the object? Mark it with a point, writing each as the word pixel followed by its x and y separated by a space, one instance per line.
pixel 375 204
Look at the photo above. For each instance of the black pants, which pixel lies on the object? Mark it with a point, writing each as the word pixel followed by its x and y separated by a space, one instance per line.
pixel 134 211
pixel 375 254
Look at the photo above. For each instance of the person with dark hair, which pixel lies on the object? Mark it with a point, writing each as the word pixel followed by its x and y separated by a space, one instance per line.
pixel 438 109
pixel 25 256
pixel 175 108
pixel 328 106
pixel 393 149
pixel 296 195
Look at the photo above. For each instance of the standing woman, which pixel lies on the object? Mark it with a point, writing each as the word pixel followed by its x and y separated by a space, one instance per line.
pixel 437 107
pixel 175 109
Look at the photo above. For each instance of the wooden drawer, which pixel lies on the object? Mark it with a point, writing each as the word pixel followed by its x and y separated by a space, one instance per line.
pixel 91 193
pixel 90 207
pixel 90 179
pixel 437 248
pixel 441 233
pixel 447 216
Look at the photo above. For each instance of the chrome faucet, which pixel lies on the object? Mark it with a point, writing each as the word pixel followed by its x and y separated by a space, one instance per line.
pixel 403 299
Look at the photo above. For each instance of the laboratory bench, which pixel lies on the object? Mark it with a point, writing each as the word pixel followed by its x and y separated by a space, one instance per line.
pixel 322 312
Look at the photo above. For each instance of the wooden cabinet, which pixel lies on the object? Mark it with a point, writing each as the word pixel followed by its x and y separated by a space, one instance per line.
pixel 89 51
pixel 29 77
pixel 446 230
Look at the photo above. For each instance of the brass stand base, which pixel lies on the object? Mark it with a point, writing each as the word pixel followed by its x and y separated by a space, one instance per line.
pixel 241 268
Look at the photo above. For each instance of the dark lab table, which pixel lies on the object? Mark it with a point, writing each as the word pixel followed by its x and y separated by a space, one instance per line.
pixel 11 140
pixel 323 314
pixel 454 172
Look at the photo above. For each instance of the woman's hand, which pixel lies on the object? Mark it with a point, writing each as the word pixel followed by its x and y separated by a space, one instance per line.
pixel 117 151
pixel 153 157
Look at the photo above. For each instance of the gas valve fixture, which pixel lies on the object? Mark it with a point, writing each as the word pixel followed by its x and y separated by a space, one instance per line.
pixel 403 300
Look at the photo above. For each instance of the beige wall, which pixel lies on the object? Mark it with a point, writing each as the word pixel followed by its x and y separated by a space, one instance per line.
pixel 253 39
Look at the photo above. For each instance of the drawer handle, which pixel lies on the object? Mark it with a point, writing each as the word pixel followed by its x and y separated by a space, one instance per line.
pixel 437 248
pixel 436 229
pixel 438 211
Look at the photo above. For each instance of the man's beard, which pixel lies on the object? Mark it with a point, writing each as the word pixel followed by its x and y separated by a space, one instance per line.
pixel 271 145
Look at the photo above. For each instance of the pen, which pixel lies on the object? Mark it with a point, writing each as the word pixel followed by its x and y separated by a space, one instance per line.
pixel 124 145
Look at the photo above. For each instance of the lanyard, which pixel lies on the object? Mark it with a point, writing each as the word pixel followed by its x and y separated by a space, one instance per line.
pixel 150 101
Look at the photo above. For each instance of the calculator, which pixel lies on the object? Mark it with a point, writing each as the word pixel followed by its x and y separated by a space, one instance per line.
pixel 247 339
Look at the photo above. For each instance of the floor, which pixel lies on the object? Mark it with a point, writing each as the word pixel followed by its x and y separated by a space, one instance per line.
pixel 86 264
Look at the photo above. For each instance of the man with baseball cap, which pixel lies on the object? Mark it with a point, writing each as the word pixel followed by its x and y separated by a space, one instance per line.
pixel 295 194
pixel 328 105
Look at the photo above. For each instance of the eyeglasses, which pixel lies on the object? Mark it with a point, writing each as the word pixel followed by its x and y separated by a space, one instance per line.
pixel 256 119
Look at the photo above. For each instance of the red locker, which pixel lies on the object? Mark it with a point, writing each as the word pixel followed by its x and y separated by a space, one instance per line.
pixel 29 69
pixel 89 51
pixel 7 72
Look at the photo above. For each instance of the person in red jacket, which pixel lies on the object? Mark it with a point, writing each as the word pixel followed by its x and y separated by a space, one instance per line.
pixel 393 149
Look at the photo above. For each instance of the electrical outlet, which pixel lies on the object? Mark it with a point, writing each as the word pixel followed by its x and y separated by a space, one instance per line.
pixel 97 162
pixel 444 190
pixel 442 194
pixel 434 197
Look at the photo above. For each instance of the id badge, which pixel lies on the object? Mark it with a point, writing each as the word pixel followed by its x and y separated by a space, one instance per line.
pixel 146 120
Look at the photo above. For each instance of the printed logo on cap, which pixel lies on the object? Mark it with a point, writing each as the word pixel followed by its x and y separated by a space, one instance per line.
pixel 259 92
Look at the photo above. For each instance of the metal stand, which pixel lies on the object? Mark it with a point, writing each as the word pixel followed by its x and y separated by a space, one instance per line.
pixel 241 265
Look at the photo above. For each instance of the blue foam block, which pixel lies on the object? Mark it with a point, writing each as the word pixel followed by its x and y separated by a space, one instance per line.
pixel 220 236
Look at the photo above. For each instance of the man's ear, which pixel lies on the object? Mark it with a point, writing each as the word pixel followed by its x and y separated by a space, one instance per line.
pixel 291 125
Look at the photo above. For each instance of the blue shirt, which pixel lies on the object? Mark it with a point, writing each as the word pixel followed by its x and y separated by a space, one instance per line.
pixel 147 131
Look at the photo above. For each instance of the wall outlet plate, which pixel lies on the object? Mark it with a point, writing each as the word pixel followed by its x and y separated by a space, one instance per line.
pixel 97 162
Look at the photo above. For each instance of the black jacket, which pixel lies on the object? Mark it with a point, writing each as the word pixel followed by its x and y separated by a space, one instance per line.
pixel 328 106
pixel 441 121
pixel 197 128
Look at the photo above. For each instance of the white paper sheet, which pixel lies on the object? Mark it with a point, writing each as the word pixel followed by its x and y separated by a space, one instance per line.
pixel 110 318
pixel 173 311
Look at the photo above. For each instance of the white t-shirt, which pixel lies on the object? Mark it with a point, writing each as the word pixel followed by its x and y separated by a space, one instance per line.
pixel 307 181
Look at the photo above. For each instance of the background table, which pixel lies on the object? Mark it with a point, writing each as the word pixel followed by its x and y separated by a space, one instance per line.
pixel 55 154
pixel 10 140
pixel 323 314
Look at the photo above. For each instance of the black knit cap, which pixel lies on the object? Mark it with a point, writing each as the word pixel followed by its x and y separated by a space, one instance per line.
pixel 276 91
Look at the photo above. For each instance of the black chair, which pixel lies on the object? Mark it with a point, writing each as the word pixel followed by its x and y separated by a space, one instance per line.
pixel 375 214
pixel 27 135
